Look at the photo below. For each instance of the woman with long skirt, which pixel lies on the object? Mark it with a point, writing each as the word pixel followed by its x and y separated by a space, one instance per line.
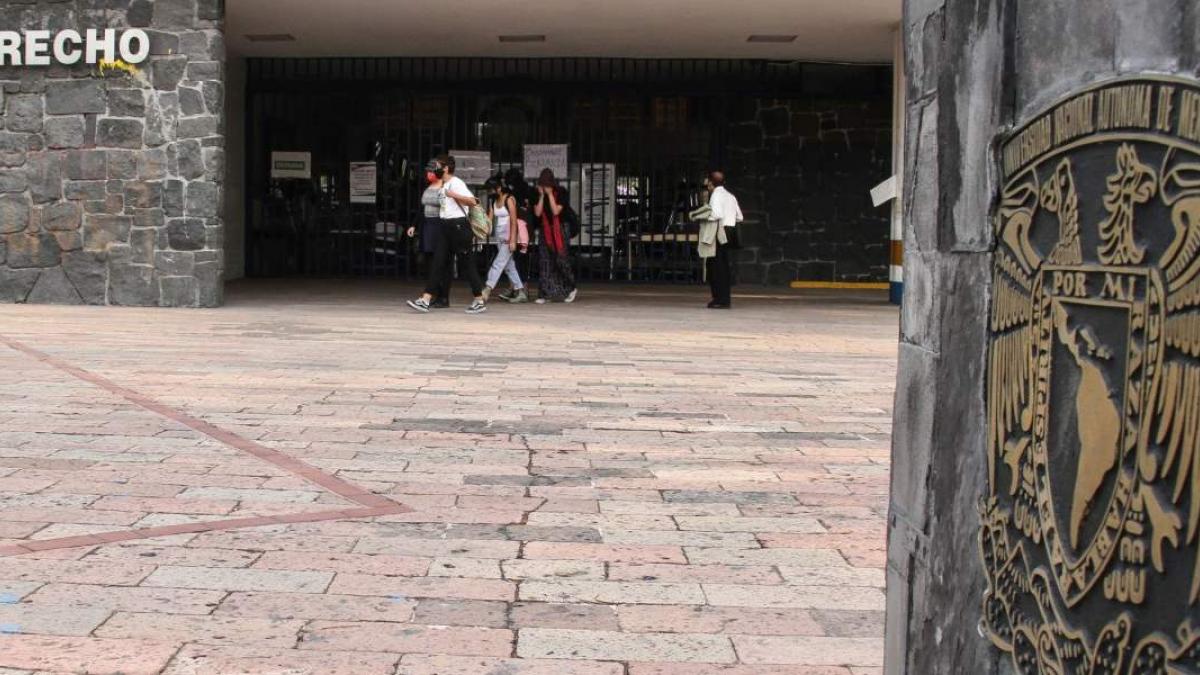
pixel 556 281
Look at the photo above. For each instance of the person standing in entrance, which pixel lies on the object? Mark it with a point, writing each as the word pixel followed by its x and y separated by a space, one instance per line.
pixel 720 231
pixel 556 282
pixel 454 239
pixel 505 216
pixel 431 223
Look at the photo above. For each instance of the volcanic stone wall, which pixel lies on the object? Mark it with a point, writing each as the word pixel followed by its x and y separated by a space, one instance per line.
pixel 110 177
pixel 802 170
pixel 974 68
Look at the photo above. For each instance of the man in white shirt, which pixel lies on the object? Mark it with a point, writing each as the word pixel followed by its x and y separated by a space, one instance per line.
pixel 454 238
pixel 727 214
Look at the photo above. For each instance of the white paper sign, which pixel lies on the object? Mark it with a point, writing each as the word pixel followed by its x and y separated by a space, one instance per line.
pixel 553 157
pixel 363 180
pixel 473 167
pixel 291 165
pixel 597 204
pixel 884 192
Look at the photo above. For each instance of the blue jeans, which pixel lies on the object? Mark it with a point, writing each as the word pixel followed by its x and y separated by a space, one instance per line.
pixel 504 264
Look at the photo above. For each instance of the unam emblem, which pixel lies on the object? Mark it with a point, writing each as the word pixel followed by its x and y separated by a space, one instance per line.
pixel 1090 529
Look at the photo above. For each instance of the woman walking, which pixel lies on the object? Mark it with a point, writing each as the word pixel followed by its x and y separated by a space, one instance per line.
pixel 431 222
pixel 556 281
pixel 505 216
pixel 454 239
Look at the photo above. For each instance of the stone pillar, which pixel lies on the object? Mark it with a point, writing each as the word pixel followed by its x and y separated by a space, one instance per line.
pixel 1039 515
pixel 111 177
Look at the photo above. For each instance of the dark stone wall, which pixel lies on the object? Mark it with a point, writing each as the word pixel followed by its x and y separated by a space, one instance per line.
pixel 802 170
pixel 110 183
pixel 974 68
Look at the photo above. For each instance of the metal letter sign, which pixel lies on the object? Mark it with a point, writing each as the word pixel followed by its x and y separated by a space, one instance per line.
pixel 1089 533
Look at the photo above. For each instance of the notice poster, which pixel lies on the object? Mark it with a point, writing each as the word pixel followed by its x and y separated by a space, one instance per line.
pixel 597 204
pixel 363 182
pixel 553 157
pixel 291 165
pixel 473 167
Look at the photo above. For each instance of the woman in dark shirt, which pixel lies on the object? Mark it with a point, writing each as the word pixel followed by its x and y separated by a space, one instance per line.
pixel 430 222
pixel 556 279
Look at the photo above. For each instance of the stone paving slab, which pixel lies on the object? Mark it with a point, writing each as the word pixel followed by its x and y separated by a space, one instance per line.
pixel 311 480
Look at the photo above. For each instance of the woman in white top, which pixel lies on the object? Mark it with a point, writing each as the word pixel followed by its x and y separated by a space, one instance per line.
pixel 504 215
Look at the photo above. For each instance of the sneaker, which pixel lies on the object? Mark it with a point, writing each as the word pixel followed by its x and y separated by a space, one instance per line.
pixel 477 307
pixel 571 295
pixel 519 297
pixel 420 304
pixel 508 295
pixel 540 301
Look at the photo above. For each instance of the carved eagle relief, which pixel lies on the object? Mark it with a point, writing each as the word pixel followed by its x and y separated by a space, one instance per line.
pixel 1177 390
pixel 1091 530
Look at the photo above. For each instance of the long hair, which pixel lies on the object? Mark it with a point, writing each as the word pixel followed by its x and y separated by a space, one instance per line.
pixel 518 188
pixel 494 183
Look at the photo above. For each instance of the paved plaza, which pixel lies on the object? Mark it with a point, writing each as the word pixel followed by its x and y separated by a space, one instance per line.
pixel 315 480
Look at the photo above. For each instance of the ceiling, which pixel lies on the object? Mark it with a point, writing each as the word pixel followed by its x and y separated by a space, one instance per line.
pixel 828 30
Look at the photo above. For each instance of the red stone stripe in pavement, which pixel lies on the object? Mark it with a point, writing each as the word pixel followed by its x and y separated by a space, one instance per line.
pixel 195 528
pixel 286 462
pixel 373 504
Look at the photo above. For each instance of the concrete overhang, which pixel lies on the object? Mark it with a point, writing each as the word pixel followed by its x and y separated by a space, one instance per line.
pixel 858 31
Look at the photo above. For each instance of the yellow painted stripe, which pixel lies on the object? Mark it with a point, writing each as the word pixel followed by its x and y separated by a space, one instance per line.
pixel 897 250
pixel 845 285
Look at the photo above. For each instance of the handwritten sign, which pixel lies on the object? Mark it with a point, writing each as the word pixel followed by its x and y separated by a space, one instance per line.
pixel 553 157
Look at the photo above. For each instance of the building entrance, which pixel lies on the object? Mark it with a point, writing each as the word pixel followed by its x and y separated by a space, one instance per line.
pixel 629 139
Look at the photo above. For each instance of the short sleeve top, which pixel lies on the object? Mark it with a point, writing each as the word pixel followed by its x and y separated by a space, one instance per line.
pixel 450 208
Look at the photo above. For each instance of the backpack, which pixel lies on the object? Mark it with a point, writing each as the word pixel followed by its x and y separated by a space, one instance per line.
pixel 522 234
pixel 570 221
pixel 569 218
pixel 481 224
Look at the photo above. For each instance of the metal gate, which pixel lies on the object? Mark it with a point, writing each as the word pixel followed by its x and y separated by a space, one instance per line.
pixel 641 134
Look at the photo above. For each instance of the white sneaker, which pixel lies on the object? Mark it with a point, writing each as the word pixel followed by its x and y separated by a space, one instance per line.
pixel 477 307
pixel 420 304
pixel 571 295
pixel 540 301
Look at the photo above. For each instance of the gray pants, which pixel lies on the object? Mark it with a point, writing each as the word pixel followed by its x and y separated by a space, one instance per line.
pixel 504 264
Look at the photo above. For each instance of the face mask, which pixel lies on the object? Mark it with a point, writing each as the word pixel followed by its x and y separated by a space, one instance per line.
pixel 430 177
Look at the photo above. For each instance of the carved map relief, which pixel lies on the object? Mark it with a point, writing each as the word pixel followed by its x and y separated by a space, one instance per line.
pixel 1091 529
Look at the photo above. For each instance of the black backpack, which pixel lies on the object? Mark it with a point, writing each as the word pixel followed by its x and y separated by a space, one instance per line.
pixel 569 218
pixel 570 222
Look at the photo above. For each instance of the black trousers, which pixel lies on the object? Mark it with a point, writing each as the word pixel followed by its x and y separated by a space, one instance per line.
pixel 720 269
pixel 429 237
pixel 454 238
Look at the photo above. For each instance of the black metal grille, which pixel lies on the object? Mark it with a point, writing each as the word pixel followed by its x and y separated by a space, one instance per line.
pixel 648 127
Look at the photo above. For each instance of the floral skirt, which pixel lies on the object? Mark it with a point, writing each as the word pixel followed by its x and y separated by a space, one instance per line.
pixel 556 278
